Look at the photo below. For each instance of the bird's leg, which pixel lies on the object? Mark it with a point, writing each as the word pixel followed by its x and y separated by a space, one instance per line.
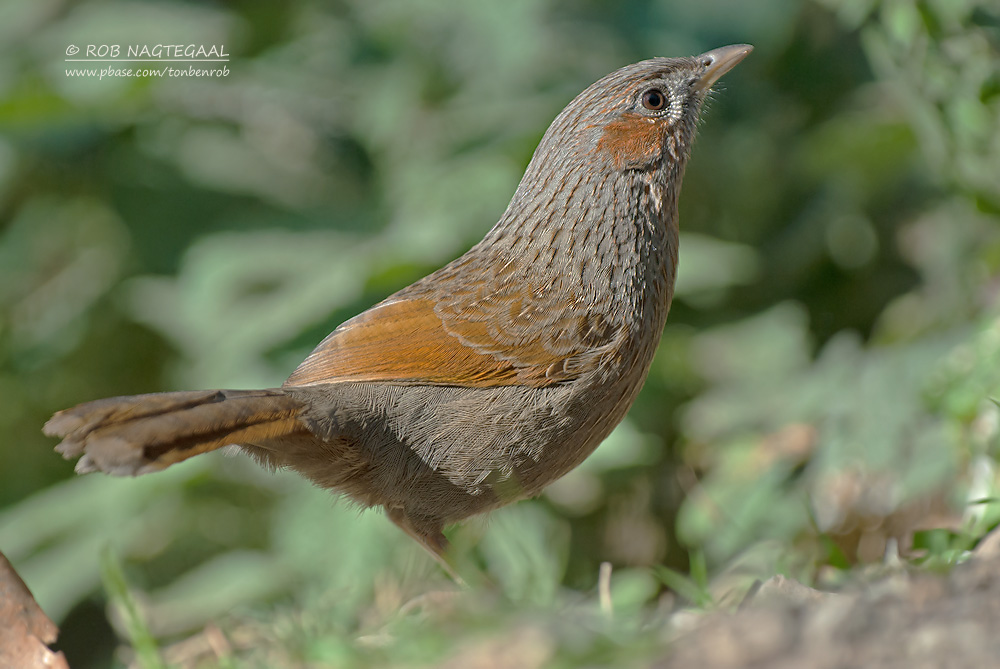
pixel 431 538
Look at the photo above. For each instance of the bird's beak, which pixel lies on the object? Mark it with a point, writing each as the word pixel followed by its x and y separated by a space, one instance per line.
pixel 718 62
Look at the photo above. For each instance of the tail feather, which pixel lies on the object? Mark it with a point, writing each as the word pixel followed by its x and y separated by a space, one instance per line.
pixel 143 433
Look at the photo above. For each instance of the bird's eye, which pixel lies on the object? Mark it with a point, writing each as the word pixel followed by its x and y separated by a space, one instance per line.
pixel 654 99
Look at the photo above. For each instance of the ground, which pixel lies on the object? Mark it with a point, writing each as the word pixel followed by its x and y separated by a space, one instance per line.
pixel 902 618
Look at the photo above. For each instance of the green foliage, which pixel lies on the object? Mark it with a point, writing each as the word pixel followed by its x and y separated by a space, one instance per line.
pixel 139 636
pixel 693 588
pixel 826 389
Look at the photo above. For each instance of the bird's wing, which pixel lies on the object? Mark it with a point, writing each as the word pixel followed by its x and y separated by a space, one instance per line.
pixel 515 333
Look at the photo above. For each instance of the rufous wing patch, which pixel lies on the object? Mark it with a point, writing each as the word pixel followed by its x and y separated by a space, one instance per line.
pixel 409 341
pixel 402 341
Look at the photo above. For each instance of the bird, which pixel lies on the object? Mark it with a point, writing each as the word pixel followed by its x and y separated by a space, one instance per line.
pixel 485 381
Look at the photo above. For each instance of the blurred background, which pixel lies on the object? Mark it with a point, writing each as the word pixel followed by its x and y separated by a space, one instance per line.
pixel 824 395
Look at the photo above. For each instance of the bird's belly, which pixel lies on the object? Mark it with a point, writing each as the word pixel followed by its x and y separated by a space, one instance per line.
pixel 451 452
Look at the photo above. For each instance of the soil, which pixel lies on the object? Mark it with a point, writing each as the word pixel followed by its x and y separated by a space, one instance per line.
pixel 910 620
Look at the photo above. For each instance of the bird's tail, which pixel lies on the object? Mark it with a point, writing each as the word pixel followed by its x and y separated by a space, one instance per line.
pixel 137 434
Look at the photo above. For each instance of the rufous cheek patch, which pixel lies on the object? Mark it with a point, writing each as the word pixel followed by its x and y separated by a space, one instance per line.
pixel 633 140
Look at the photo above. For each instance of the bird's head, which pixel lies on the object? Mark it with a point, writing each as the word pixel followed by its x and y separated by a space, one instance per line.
pixel 640 117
